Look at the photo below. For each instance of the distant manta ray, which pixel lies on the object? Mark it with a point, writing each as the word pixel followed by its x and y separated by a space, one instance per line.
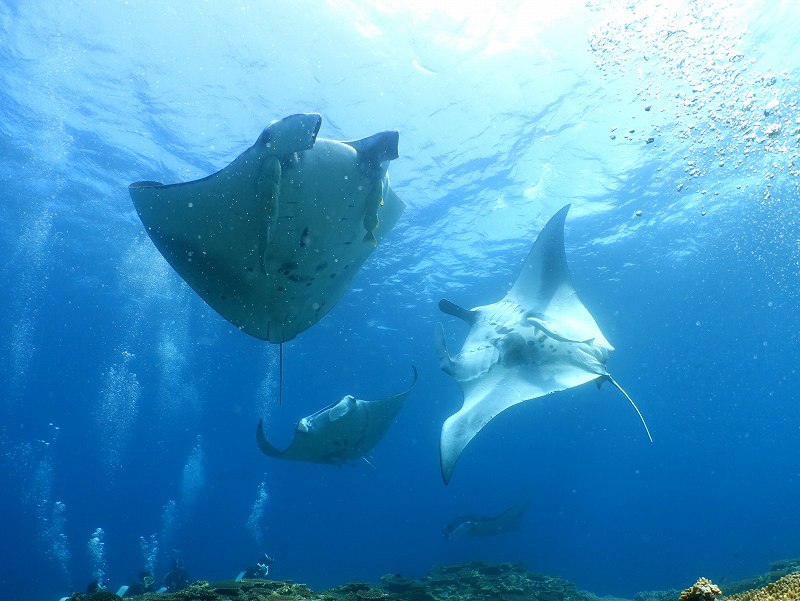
pixel 481 525
pixel 537 340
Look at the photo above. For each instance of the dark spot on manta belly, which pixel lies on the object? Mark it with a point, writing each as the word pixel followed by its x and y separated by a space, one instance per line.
pixel 322 266
pixel 287 268
pixel 514 350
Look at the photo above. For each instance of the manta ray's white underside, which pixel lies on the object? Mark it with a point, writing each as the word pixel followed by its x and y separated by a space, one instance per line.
pixel 537 340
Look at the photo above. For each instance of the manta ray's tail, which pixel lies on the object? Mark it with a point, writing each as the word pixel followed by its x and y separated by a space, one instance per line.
pixel 627 396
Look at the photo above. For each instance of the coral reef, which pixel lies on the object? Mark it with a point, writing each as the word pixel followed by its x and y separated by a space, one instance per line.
pixel 784 589
pixel 476 581
pixel 702 590
pixel 506 582
pixel 777 570
pixel 669 595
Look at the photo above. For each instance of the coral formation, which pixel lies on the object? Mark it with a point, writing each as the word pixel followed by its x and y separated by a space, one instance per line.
pixel 510 582
pixel 477 581
pixel 702 590
pixel 784 589
pixel 669 595
pixel 777 570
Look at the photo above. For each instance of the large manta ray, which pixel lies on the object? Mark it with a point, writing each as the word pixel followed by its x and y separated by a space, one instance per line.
pixel 340 433
pixel 537 340
pixel 273 240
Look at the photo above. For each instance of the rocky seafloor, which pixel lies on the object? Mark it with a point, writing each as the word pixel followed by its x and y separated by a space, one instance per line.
pixel 475 581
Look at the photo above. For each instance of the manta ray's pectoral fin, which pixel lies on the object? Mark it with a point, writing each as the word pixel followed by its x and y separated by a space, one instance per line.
pixel 266 446
pixel 457 431
pixel 445 306
pixel 608 378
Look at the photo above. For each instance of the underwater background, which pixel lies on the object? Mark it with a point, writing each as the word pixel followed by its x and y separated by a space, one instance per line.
pixel 129 407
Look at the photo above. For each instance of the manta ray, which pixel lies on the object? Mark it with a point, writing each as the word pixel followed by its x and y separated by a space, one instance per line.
pixel 481 525
pixel 537 340
pixel 274 239
pixel 340 433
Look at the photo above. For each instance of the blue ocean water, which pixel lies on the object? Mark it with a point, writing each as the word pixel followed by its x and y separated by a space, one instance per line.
pixel 129 406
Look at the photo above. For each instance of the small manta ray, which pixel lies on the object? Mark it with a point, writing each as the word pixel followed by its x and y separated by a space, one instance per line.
pixel 537 340
pixel 480 525
pixel 340 433
pixel 274 239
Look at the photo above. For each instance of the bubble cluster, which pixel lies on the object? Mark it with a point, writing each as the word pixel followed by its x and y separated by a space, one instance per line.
pixel 267 392
pixel 97 555
pixel 117 408
pixel 697 82
pixel 194 478
pixel 144 274
pixel 149 547
pixel 177 391
pixel 169 524
pixel 58 546
pixel 255 522
pixel 718 122
pixel 32 252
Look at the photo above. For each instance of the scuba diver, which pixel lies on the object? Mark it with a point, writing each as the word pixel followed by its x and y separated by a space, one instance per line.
pixel 177 578
pixel 144 584
pixel 260 571
pixel 95 585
